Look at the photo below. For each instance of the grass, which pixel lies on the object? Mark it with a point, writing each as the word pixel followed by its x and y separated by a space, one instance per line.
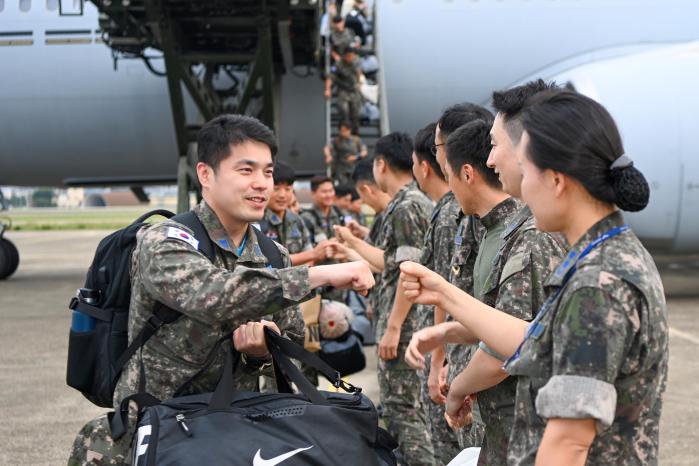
pixel 107 218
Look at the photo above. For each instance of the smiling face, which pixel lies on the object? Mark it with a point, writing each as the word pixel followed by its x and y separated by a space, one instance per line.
pixel 324 196
pixel 503 159
pixel 240 187
pixel 281 197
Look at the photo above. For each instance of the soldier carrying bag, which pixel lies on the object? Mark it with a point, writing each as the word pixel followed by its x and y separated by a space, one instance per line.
pixel 98 345
pixel 244 428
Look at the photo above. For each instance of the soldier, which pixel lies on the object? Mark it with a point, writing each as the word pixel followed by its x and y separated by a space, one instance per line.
pixel 235 171
pixel 341 37
pixel 405 223
pixel 343 152
pixel 437 251
pixel 284 226
pixel 323 214
pixel 465 249
pixel 592 366
pixel 346 76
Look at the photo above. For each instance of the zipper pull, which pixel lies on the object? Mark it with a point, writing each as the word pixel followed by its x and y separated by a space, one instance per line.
pixel 183 426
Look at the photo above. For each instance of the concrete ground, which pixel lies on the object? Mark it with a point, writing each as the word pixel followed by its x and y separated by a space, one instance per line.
pixel 40 415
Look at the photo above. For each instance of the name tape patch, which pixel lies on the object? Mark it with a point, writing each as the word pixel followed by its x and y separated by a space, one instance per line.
pixel 182 235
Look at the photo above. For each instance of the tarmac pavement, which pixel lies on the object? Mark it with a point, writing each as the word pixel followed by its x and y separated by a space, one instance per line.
pixel 40 415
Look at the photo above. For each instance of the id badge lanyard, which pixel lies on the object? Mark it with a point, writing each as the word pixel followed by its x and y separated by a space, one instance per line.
pixel 535 328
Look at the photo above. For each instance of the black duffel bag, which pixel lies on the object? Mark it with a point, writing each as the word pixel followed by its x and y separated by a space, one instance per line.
pixel 248 428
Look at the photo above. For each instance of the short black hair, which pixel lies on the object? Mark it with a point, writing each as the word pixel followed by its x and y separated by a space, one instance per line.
pixel 509 103
pixel 216 137
pixel 345 124
pixel 342 190
pixel 460 114
pixel 424 141
pixel 283 174
pixel 338 19
pixel 573 134
pixel 364 171
pixel 470 144
pixel 396 149
pixel 355 194
pixel 317 180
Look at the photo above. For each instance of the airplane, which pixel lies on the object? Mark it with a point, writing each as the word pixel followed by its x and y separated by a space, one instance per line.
pixel 71 116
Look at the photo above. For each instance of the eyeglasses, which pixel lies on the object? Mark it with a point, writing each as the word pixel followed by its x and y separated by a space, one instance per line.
pixel 433 148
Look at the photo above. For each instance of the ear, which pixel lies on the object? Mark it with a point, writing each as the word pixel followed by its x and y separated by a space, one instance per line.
pixel 558 182
pixel 205 174
pixel 425 169
pixel 468 173
pixel 381 166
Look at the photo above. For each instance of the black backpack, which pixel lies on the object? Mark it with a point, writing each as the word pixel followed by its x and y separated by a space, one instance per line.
pixel 97 355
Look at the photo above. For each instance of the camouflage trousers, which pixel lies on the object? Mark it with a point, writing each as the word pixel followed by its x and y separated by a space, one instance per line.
pixel 350 104
pixel 399 389
pixel 444 440
pixel 94 444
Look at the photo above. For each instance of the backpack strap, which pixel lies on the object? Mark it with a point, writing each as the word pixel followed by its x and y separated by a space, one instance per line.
pixel 162 314
pixel 269 249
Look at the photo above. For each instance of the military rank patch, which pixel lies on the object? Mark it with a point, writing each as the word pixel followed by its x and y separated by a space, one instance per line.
pixel 182 235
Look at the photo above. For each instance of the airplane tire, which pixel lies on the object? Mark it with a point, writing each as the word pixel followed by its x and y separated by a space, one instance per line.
pixel 9 258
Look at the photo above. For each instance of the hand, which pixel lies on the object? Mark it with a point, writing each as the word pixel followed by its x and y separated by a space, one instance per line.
pixel 344 234
pixel 436 385
pixel 354 275
pixel 328 93
pixel 458 412
pixel 388 346
pixel 356 229
pixel 321 252
pixel 423 341
pixel 421 285
pixel 328 155
pixel 350 158
pixel 341 252
pixel 250 338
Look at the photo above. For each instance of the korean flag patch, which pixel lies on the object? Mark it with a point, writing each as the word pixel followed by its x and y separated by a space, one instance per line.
pixel 182 235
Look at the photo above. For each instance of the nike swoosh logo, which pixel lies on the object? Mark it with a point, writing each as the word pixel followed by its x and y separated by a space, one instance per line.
pixel 259 461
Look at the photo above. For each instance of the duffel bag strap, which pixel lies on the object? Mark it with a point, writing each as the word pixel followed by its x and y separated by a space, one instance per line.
pixel 119 419
pixel 222 397
pixel 283 348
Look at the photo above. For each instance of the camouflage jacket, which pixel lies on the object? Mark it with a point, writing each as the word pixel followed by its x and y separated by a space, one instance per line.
pixel 405 223
pixel 600 351
pixel 319 225
pixel 342 148
pixel 466 242
pixel 438 247
pixel 515 285
pixel 290 231
pixel 375 240
pixel 214 298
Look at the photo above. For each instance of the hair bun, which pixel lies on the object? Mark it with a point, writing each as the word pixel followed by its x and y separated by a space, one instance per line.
pixel 631 189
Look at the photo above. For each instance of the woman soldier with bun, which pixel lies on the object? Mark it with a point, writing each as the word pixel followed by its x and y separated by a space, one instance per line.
pixel 592 366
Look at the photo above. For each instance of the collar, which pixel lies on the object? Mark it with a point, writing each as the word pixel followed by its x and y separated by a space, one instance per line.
pixel 400 195
pixel 500 212
pixel 250 249
pixel 443 201
pixel 615 219
pixel 273 218
pixel 517 221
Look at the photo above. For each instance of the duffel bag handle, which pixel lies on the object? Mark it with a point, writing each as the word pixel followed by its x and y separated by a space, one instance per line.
pixel 282 349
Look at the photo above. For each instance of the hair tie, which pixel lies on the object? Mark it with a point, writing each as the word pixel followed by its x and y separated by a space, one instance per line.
pixel 622 161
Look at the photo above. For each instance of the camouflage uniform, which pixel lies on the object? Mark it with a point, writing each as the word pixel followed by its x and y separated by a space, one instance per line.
pixel 321 228
pixel 214 300
pixel 513 283
pixel 466 242
pixel 290 231
pixel 404 226
pixel 341 148
pixel 601 352
pixel 345 76
pixel 437 251
pixel 376 240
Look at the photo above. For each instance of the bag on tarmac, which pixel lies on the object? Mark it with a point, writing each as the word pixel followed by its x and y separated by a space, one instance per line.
pixel 243 428
pixel 98 345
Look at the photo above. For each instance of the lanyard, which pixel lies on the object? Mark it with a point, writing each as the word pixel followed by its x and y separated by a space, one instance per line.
pixel 535 328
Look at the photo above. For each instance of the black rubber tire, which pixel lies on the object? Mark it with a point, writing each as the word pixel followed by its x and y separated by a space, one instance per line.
pixel 10 258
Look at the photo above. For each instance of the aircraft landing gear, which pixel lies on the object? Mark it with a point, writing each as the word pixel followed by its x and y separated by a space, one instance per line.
pixel 9 255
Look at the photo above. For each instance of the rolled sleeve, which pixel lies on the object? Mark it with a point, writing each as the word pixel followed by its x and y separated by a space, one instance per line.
pixel 488 350
pixel 576 397
pixel 407 253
